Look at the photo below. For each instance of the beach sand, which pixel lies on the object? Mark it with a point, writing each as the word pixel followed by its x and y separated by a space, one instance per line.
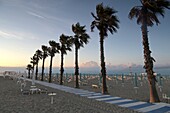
pixel 127 89
pixel 12 101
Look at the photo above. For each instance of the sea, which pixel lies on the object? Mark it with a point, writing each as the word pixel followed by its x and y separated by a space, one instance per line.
pixel 162 71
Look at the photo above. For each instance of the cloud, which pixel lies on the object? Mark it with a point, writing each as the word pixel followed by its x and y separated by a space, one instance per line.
pixel 109 66
pixel 36 15
pixel 90 64
pixel 9 35
pixel 120 66
pixel 51 20
pixel 162 66
pixel 123 68
pixel 90 67
pixel 93 66
pixel 15 35
pixel 136 68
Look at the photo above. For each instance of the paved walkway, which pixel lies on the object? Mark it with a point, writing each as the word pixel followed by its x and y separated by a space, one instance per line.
pixel 128 103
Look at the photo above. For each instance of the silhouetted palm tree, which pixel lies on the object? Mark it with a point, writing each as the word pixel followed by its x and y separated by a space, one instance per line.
pixel 51 52
pixel 105 21
pixel 44 56
pixel 146 15
pixel 38 55
pixel 65 45
pixel 79 39
pixel 33 61
pixel 29 68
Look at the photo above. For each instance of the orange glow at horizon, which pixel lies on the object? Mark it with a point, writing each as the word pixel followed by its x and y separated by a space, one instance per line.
pixel 12 59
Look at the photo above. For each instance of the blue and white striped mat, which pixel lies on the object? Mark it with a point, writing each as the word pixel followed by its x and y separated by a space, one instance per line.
pixel 128 103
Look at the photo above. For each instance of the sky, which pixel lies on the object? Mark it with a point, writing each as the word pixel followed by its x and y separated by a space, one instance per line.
pixel 25 25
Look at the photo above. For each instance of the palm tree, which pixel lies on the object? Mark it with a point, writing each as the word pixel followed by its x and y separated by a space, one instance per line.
pixel 65 45
pixel 29 68
pixel 33 61
pixel 38 54
pixel 51 52
pixel 79 39
pixel 44 56
pixel 146 15
pixel 105 21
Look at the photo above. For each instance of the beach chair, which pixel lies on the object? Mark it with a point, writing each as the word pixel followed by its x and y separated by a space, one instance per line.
pixel 166 97
pixel 84 83
pixel 35 90
pixel 23 84
pixel 25 91
pixel 18 81
pixel 43 90
pixel 95 86
pixel 69 80
pixel 52 98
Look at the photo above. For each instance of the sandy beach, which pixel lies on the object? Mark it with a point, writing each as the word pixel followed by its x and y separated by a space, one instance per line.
pixel 12 101
pixel 127 89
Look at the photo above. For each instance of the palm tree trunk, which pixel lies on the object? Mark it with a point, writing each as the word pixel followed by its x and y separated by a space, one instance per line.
pixel 33 75
pixel 76 67
pixel 50 71
pixel 148 61
pixel 28 73
pixel 36 73
pixel 33 71
pixel 103 68
pixel 62 69
pixel 42 74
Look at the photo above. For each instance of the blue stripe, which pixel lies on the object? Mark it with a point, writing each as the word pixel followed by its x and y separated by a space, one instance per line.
pixel 101 97
pixel 141 106
pixel 91 94
pixel 128 102
pixel 84 93
pixel 160 110
pixel 113 99
pixel 87 93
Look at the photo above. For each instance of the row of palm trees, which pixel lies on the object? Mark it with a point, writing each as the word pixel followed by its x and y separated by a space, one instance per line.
pixel 66 42
pixel 106 21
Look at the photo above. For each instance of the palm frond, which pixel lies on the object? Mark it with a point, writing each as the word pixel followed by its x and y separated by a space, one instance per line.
pixel 153 60
pixel 93 24
pixel 135 12
pixel 153 18
pixel 81 37
pixel 66 43
pixel 94 16
pixel 106 20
